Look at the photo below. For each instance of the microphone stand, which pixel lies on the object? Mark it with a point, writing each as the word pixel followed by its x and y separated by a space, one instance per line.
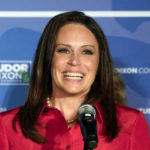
pixel 88 125
pixel 90 131
pixel 86 148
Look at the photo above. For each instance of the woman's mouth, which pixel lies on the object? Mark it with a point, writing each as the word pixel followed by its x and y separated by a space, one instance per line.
pixel 73 75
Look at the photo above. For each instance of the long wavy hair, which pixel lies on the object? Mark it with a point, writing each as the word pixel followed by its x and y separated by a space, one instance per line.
pixel 103 89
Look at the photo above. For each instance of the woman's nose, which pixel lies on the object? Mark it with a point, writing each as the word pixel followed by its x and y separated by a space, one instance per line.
pixel 74 60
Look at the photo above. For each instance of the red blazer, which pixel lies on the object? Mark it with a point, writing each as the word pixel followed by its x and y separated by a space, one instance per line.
pixel 134 133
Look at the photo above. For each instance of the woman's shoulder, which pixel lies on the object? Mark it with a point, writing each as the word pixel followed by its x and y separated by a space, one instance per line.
pixel 9 114
pixel 122 109
pixel 125 113
pixel 129 117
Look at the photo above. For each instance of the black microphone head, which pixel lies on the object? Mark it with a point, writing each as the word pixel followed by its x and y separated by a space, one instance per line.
pixel 86 109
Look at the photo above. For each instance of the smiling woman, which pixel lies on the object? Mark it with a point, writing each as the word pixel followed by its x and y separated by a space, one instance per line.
pixel 72 67
pixel 75 61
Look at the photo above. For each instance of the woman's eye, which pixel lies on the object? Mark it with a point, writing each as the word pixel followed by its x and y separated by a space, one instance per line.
pixel 63 50
pixel 87 52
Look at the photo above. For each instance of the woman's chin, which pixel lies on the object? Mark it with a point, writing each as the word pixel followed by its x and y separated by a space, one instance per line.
pixel 76 91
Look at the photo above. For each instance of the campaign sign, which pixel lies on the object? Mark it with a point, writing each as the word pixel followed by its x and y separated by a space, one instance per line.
pixel 15 72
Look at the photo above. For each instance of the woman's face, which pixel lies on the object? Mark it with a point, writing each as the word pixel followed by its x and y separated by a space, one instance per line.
pixel 75 60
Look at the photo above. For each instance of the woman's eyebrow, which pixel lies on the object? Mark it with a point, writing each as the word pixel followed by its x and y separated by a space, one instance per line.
pixel 62 44
pixel 88 45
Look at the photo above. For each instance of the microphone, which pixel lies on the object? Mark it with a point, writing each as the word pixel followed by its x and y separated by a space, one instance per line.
pixel 86 115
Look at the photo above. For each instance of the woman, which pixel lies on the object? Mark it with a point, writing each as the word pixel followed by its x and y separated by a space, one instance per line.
pixel 72 67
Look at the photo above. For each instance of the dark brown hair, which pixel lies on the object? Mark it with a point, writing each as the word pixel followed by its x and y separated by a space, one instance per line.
pixel 102 90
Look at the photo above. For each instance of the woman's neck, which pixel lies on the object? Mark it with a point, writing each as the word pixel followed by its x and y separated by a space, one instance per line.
pixel 68 105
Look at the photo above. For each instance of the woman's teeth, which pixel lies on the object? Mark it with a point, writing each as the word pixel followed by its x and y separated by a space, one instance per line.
pixel 75 76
